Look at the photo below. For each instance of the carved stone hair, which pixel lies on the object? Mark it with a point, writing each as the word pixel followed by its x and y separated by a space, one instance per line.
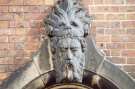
pixel 64 13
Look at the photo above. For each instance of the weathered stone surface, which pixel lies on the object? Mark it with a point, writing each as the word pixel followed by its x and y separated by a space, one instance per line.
pixel 67 26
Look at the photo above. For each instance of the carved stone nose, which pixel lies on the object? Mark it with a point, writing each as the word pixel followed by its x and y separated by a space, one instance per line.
pixel 68 27
pixel 69 54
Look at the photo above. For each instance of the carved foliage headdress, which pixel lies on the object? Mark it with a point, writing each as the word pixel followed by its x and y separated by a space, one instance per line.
pixel 68 18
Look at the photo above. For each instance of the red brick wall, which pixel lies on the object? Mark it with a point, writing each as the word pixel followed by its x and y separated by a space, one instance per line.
pixel 114 28
pixel 21 30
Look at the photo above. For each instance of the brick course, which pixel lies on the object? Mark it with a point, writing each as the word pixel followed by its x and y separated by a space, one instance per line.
pixel 21 29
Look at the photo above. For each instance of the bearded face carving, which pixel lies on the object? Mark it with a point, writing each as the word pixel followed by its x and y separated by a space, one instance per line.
pixel 69 60
pixel 67 26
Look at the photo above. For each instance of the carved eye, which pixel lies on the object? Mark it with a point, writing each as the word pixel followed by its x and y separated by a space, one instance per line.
pixel 74 49
pixel 61 24
pixel 75 3
pixel 74 24
pixel 63 49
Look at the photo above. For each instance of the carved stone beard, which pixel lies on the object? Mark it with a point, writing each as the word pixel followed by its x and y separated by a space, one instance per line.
pixel 69 71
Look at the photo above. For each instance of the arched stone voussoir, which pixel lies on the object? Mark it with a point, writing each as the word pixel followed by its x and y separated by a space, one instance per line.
pixel 21 77
pixel 98 63
pixel 39 65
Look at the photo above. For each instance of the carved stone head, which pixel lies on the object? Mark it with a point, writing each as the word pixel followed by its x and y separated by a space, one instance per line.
pixel 67 26
pixel 69 59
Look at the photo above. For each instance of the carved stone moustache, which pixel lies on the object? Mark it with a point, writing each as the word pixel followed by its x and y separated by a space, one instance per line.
pixel 67 26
